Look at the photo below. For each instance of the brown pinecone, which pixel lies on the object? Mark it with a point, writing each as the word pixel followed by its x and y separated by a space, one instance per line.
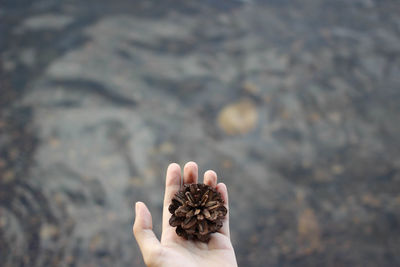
pixel 197 212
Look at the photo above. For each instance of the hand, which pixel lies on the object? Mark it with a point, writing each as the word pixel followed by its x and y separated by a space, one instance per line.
pixel 173 250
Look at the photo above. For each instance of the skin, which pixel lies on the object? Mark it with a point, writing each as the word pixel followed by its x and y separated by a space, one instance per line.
pixel 173 250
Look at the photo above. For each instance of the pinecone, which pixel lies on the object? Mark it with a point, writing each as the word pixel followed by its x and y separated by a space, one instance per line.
pixel 197 212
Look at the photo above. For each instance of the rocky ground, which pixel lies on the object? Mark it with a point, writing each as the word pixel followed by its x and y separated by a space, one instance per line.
pixel 295 104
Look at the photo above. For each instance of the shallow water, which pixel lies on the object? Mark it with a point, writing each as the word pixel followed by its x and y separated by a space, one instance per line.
pixel 293 103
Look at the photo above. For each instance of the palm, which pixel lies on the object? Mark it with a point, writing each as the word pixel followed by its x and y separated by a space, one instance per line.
pixel 218 252
pixel 174 250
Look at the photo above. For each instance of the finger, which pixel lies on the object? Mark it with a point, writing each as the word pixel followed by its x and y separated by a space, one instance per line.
pixel 143 232
pixel 172 185
pixel 190 173
pixel 210 178
pixel 221 188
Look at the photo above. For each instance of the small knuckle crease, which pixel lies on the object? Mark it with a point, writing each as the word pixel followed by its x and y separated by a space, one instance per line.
pixel 136 229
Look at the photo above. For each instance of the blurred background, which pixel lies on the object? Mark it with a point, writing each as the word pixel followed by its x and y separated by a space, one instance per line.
pixel 295 104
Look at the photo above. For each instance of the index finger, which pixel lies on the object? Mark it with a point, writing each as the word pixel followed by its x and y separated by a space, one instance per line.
pixel 172 185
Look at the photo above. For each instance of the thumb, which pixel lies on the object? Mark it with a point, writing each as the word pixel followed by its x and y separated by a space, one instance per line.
pixel 143 232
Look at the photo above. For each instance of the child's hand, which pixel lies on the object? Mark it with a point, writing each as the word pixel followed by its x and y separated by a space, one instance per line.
pixel 174 250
